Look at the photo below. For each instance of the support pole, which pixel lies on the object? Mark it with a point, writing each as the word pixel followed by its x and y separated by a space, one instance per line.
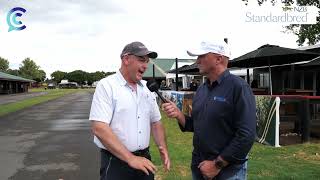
pixel 176 74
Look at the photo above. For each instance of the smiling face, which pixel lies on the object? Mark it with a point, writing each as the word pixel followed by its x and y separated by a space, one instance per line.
pixel 134 67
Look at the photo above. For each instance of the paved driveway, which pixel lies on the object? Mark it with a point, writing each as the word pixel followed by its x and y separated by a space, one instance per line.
pixel 49 141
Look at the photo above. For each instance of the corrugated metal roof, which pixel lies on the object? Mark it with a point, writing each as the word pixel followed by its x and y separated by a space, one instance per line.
pixel 9 77
pixel 162 66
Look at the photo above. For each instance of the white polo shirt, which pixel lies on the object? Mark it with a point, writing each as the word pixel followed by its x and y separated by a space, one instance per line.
pixel 129 113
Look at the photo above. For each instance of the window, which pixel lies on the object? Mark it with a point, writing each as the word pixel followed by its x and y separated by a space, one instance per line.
pixel 264 80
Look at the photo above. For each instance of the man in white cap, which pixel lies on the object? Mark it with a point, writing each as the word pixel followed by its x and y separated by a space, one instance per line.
pixel 223 117
pixel 123 112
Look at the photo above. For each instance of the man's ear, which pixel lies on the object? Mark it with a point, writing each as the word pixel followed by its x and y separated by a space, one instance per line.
pixel 218 60
pixel 125 60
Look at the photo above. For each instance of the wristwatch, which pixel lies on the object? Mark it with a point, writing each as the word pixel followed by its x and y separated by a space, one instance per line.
pixel 218 163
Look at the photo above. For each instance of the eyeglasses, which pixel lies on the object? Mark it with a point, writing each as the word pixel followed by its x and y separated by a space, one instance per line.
pixel 144 59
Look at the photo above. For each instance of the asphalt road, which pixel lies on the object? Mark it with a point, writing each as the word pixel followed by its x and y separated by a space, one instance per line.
pixel 49 141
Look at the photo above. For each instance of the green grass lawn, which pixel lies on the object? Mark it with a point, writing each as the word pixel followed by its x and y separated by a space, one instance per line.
pixel 52 94
pixel 300 161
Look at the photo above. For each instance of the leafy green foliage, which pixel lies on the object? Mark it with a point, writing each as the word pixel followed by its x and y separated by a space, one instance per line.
pixel 4 64
pixel 79 76
pixel 14 72
pixel 30 70
pixel 307 32
pixel 57 76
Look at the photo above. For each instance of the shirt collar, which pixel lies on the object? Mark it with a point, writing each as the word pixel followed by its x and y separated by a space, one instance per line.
pixel 225 74
pixel 123 81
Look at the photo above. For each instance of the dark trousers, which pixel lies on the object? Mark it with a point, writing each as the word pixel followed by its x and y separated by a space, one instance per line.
pixel 112 168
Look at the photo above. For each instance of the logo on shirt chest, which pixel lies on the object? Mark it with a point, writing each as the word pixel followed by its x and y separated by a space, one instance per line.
pixel 219 98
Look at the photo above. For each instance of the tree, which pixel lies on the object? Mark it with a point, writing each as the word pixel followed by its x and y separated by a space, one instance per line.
pixel 4 64
pixel 14 72
pixel 30 70
pixel 57 76
pixel 41 77
pixel 78 76
pixel 109 73
pixel 309 33
pixel 96 76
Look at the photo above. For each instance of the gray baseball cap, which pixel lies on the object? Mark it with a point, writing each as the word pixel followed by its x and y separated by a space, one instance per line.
pixel 138 49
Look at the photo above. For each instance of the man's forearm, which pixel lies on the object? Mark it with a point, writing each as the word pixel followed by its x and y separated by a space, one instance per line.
pixel 181 119
pixel 110 141
pixel 158 133
pixel 238 147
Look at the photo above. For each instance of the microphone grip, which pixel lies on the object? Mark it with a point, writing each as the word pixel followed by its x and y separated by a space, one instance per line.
pixel 161 97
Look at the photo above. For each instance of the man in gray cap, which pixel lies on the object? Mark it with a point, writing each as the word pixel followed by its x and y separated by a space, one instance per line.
pixel 123 112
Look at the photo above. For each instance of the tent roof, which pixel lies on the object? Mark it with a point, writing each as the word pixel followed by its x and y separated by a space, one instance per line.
pixel 162 66
pixel 269 55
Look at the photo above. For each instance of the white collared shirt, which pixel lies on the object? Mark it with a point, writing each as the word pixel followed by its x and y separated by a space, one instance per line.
pixel 129 113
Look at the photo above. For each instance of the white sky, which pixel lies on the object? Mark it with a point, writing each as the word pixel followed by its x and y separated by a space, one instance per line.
pixel 89 35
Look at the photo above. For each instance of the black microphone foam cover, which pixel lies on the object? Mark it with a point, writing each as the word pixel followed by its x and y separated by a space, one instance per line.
pixel 152 85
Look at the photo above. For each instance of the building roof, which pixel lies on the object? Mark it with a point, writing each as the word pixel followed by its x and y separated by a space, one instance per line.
pixel 162 66
pixel 314 62
pixel 9 77
pixel 312 48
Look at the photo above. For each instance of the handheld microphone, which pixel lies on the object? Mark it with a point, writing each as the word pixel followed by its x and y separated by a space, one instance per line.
pixel 153 87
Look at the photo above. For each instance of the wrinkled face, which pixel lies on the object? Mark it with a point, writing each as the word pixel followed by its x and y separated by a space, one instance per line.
pixel 136 66
pixel 207 63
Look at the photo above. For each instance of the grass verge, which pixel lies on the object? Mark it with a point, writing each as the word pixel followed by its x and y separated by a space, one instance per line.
pixel 301 161
pixel 52 94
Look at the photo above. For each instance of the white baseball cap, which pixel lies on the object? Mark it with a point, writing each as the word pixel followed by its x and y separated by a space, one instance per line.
pixel 204 47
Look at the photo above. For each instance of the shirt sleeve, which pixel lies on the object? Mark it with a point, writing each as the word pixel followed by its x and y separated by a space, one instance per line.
pixel 188 125
pixel 244 125
pixel 102 106
pixel 155 112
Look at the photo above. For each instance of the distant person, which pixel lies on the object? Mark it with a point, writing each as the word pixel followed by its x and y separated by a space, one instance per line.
pixel 123 112
pixel 173 85
pixel 193 85
pixel 223 117
pixel 254 83
pixel 163 85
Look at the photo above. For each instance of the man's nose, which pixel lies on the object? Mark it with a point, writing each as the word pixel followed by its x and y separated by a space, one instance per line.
pixel 145 65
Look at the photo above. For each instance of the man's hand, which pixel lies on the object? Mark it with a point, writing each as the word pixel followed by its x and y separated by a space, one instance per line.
pixel 208 169
pixel 142 164
pixel 165 158
pixel 171 109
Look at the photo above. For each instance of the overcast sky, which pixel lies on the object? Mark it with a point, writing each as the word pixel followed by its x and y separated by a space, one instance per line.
pixel 89 35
